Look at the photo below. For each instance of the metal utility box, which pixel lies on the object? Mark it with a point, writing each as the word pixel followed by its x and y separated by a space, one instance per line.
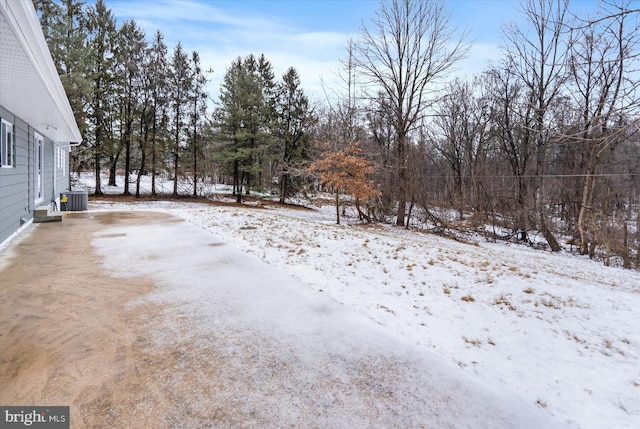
pixel 74 201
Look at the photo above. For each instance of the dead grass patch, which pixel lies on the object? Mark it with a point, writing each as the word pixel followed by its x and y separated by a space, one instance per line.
pixel 486 278
pixel 473 341
pixel 549 303
pixel 484 266
pixel 503 301
pixel 576 338
pixel 385 308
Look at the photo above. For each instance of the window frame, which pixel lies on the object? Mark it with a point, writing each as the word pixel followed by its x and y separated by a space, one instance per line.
pixel 7 145
pixel 38 166
pixel 60 160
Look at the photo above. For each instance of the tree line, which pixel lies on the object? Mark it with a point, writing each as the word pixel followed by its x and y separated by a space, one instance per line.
pixel 544 142
pixel 543 147
pixel 143 109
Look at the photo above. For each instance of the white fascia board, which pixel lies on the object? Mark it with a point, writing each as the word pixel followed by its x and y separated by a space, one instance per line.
pixel 23 19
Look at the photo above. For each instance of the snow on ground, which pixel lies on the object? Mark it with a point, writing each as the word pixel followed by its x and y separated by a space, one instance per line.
pixel 559 331
pixel 259 349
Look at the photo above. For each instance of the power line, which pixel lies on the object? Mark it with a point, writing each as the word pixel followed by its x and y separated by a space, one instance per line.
pixel 529 176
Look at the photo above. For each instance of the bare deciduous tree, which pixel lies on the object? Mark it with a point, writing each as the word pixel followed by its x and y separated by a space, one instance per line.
pixel 606 89
pixel 538 60
pixel 409 46
pixel 461 134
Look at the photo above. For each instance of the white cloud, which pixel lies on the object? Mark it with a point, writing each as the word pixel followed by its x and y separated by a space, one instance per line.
pixel 481 55
pixel 182 11
pixel 221 35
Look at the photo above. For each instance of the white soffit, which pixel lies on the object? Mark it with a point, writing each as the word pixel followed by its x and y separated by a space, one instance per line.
pixel 30 86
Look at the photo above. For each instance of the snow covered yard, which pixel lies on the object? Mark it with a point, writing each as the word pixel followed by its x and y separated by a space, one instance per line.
pixel 559 331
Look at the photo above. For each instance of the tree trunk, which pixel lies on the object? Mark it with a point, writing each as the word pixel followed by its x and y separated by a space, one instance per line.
pixel 544 228
pixel 127 144
pixel 626 260
pixel 177 149
pixel 195 171
pixel 98 190
pixel 638 241
pixel 113 167
pixel 284 185
pixel 175 173
pixel 143 157
pixel 523 219
pixel 236 182
pixel 153 150
pixel 402 178
pixel 582 215
pixel 548 234
pixel 195 153
pixel 459 193
pixel 153 169
pixel 127 162
pixel 409 215
pixel 142 162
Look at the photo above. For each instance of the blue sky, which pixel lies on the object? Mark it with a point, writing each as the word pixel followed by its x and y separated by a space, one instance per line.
pixel 309 35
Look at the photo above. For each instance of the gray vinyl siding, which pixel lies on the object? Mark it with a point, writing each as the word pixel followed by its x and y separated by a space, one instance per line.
pixel 17 192
pixel 14 186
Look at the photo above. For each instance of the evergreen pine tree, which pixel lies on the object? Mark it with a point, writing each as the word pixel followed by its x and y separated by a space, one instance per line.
pixel 101 28
pixel 179 84
pixel 294 119
pixel 131 47
pixel 242 120
pixel 157 73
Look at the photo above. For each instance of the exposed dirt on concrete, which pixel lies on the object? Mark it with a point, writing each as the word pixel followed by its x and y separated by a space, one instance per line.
pixel 67 333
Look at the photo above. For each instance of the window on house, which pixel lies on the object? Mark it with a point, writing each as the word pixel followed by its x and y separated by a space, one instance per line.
pixel 38 143
pixel 7 145
pixel 60 160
